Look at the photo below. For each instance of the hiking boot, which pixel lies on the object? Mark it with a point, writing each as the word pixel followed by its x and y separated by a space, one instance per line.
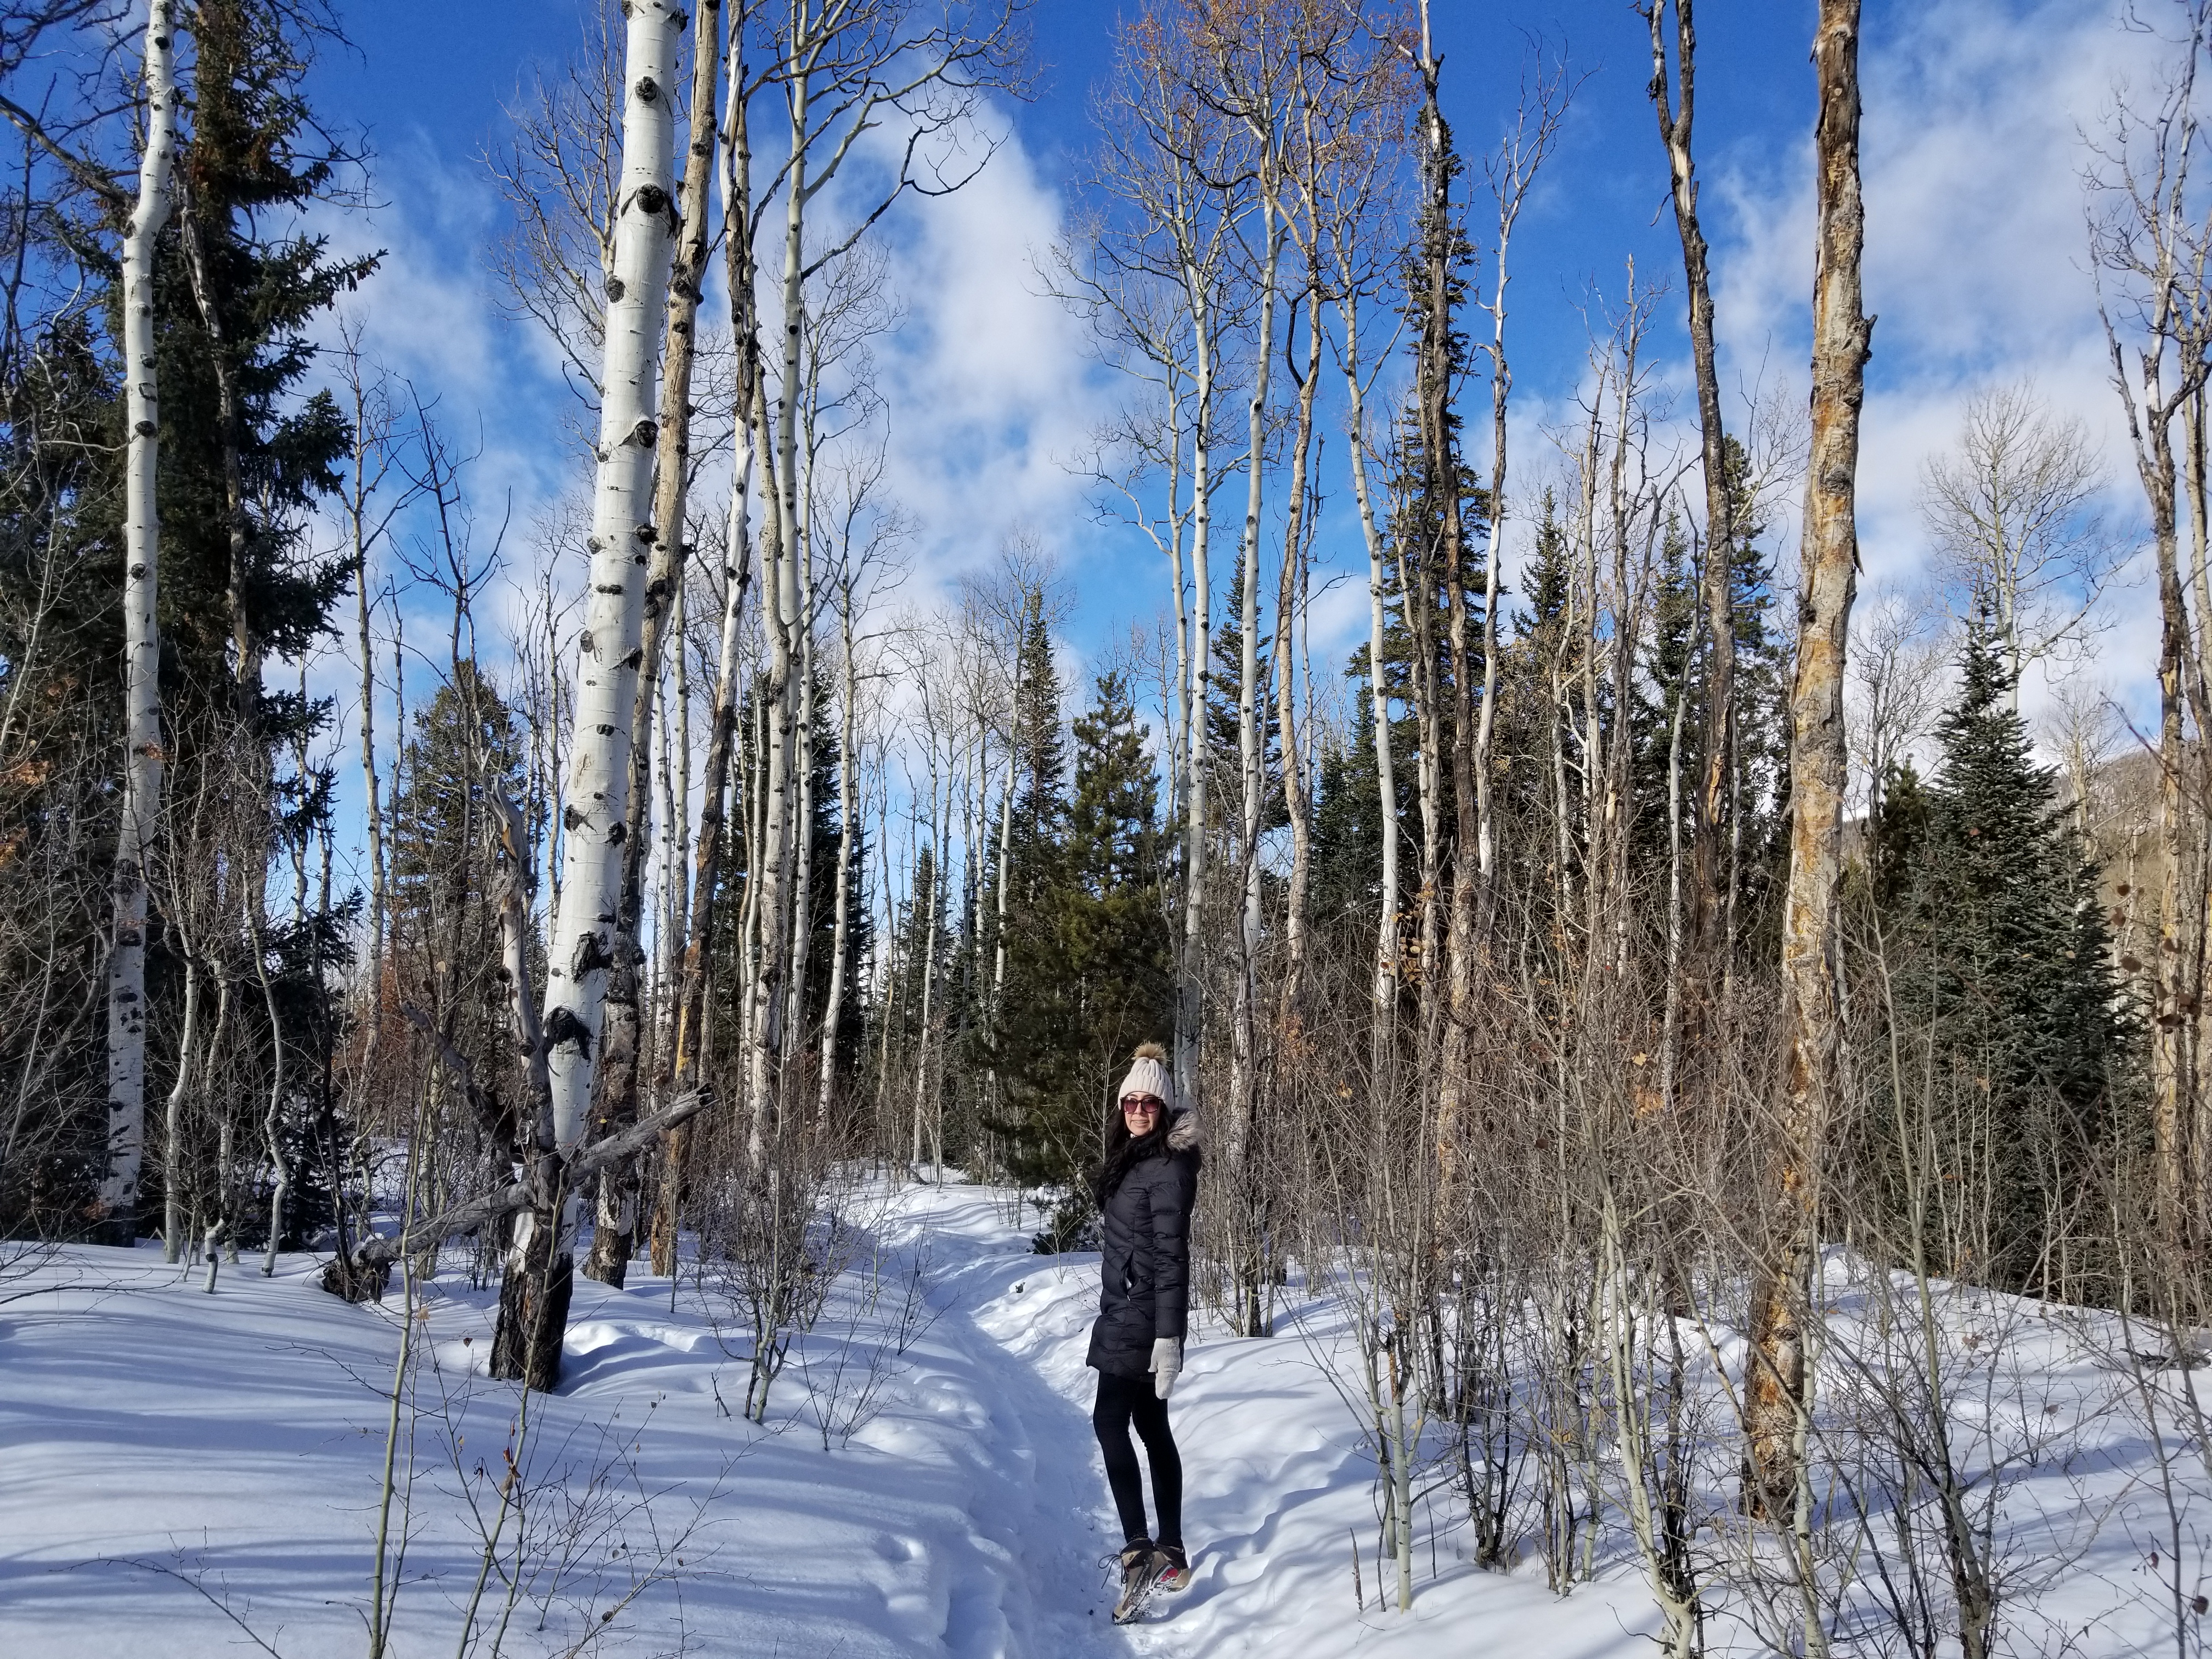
pixel 1141 1567
pixel 1174 1572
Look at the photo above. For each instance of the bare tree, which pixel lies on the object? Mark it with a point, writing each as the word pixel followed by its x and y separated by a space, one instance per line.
pixel 142 650
pixel 2010 509
pixel 617 1208
pixel 1775 1391
pixel 534 1296
pixel 2150 233
pixel 1674 97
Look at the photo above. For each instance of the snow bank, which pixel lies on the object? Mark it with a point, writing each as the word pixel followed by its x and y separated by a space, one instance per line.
pixel 187 1474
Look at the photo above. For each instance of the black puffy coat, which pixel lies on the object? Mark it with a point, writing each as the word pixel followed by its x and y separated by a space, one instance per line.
pixel 1144 1291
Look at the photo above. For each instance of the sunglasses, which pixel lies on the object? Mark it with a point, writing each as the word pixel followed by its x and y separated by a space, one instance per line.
pixel 1143 1103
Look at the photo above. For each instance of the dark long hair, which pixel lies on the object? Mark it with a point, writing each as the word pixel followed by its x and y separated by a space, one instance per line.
pixel 1124 1151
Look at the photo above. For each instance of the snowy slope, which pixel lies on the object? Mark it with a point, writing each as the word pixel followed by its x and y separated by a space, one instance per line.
pixel 188 1475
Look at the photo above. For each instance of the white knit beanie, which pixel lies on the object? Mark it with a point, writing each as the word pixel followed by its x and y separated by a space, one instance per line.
pixel 1149 1075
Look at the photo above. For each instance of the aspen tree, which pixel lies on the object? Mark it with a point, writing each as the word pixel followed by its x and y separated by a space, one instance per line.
pixel 733 165
pixel 1673 98
pixel 613 1236
pixel 1252 66
pixel 2142 239
pixel 1512 174
pixel 843 68
pixel 594 808
pixel 1775 1390
pixel 141 538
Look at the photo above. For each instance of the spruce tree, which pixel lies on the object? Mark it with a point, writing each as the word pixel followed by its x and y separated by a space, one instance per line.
pixel 2002 965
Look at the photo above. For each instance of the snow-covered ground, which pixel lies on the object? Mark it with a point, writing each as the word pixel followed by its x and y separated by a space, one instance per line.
pixel 185 1475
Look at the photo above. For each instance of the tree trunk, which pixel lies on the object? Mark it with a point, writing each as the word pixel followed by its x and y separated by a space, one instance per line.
pixel 1245 1040
pixel 1441 450
pixel 142 649
pixel 1774 1390
pixel 272 1121
pixel 824 1097
pixel 1384 1011
pixel 614 1235
pixel 1289 606
pixel 736 162
pixel 596 806
pixel 1190 978
pixel 1709 862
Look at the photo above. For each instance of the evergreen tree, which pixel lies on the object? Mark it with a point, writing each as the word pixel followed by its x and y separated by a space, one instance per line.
pixel 1090 963
pixel 1346 875
pixel 255 162
pixel 2002 965
pixel 466 747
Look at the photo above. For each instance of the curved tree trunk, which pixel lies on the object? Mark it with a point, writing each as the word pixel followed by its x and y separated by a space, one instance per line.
pixel 141 647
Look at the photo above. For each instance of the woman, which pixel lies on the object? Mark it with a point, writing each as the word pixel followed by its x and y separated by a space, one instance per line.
pixel 1145 1189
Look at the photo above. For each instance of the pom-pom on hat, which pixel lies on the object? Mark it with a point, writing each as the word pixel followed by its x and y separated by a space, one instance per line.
pixel 1149 1075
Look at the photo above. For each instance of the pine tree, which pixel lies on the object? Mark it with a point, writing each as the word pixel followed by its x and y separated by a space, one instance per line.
pixel 1090 965
pixel 2002 964
pixel 255 161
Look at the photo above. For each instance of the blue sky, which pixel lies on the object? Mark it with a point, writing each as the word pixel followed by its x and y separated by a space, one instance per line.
pixel 1974 112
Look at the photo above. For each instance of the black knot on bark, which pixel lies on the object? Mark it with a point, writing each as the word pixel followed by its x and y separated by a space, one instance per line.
pixel 619 833
pixel 616 289
pixel 591 958
pixel 647 91
pixel 146 429
pixel 652 200
pixel 644 433
pixel 571 819
pixel 584 641
pixel 634 658
pixel 562 1026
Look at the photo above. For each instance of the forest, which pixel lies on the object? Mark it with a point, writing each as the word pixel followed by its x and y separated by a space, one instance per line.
pixel 1716 1042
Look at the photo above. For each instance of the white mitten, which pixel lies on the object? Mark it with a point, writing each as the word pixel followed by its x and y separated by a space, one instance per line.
pixel 1167 1363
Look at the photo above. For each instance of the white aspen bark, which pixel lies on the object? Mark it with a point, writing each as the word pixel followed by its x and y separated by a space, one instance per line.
pixel 597 797
pixel 272 1121
pixel 1245 1038
pixel 765 880
pixel 141 645
pixel 894 979
pixel 679 814
pixel 691 1015
pixel 802 887
pixel 1289 607
pixel 846 808
pixel 1006 870
pixel 749 926
pixel 1190 997
pixel 173 1171
pixel 627 1029
pixel 1385 783
pixel 372 798
pixel 928 950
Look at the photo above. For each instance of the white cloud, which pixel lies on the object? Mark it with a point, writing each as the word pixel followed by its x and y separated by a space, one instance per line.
pixel 1976 259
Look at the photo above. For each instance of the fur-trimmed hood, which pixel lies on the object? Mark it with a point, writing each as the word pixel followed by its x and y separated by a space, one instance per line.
pixel 1185 1134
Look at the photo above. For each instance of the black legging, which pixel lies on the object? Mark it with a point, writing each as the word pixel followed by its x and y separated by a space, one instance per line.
pixel 1122 1401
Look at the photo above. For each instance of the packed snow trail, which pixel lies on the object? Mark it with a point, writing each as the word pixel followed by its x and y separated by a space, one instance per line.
pixel 191 1473
pixel 185 1475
